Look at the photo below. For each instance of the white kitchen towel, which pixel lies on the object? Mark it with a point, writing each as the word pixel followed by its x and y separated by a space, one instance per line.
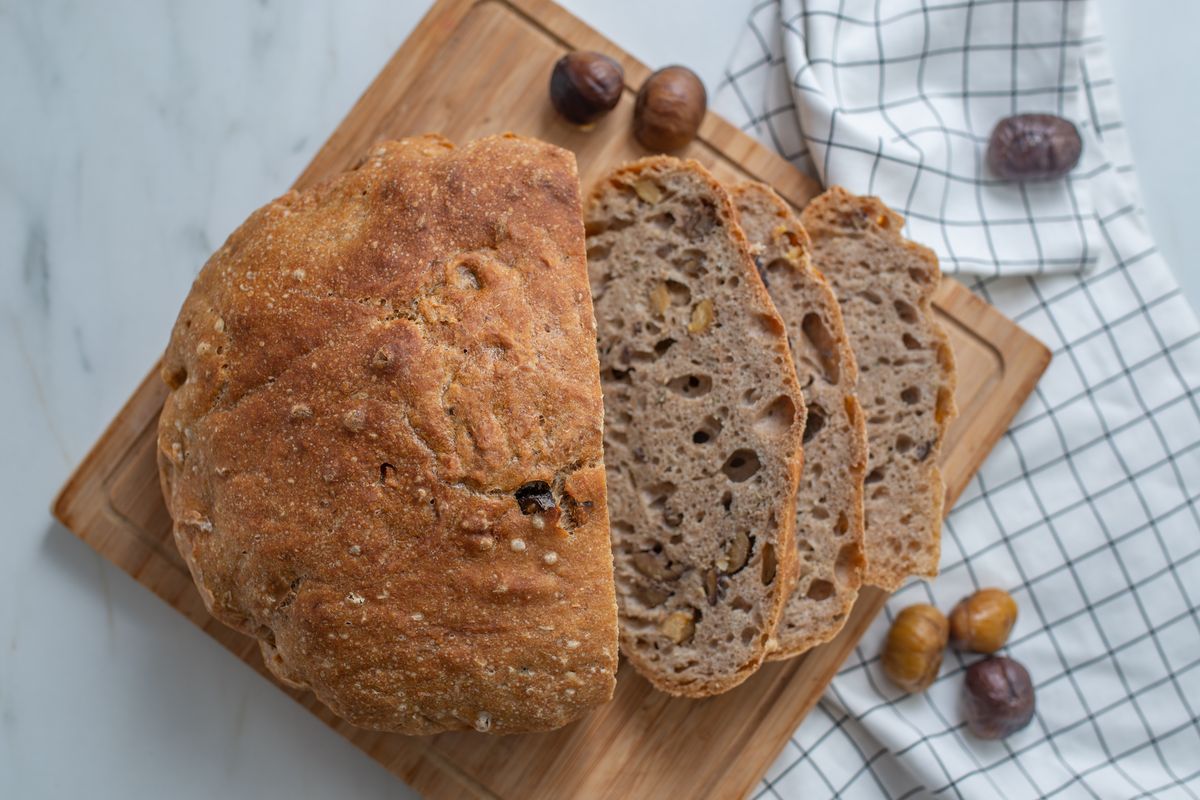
pixel 899 98
pixel 1086 511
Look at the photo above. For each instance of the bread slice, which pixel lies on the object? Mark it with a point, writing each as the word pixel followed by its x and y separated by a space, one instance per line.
pixel 884 284
pixel 703 424
pixel 829 508
pixel 382 442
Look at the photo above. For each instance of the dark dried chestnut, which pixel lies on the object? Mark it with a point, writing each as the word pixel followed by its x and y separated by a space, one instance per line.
pixel 534 497
pixel 997 697
pixel 585 86
pixel 670 107
pixel 1033 147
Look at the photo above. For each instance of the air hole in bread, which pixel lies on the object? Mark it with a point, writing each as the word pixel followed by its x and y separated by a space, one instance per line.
pixel 911 342
pixel 699 219
pixel 468 278
pixel 871 297
pixel 776 269
pixel 820 590
pixel 842 525
pixel 690 386
pixel 911 395
pixel 727 500
pixel 740 603
pixel 741 465
pixel 662 346
pixel 614 375
pixel 824 345
pixel 879 492
pixel 176 377
pixel 820 512
pixel 664 250
pixel 778 417
pixel 709 429
pixel 769 564
pixel 664 220
pixel 904 443
pixel 691 262
pixel 596 227
pixel 848 559
pixel 918 275
pixel 814 423
pixel 387 475
pixel 751 396
pixel 679 293
pixel 874 476
pixel 906 312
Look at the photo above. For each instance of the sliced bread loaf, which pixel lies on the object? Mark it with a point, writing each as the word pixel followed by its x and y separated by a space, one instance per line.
pixel 703 424
pixel 884 284
pixel 829 510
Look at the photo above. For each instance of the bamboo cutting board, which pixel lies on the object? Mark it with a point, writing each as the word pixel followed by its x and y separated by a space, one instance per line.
pixel 474 67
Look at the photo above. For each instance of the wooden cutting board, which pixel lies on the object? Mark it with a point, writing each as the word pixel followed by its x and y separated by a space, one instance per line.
pixel 474 67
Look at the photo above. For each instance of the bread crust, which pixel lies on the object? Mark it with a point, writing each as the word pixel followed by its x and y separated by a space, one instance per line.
pixel 885 284
pixel 829 504
pixel 362 378
pixel 672 528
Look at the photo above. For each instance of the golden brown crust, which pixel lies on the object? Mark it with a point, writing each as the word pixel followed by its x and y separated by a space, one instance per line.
pixel 363 375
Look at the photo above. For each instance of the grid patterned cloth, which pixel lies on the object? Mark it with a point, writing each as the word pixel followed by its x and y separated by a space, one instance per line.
pixel 1086 511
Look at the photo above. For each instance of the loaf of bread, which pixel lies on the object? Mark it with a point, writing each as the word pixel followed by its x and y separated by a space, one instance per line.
pixel 703 425
pixel 829 508
pixel 884 285
pixel 382 443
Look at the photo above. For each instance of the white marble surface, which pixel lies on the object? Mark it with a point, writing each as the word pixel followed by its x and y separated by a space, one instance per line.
pixel 134 137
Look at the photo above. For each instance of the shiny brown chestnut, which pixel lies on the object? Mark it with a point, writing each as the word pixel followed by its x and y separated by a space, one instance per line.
pixel 669 109
pixel 584 86
pixel 997 697
pixel 1033 147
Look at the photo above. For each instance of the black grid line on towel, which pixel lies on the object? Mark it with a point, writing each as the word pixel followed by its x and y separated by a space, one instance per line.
pixel 1087 510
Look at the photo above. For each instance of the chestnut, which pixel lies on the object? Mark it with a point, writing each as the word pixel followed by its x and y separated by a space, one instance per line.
pixel 1033 147
pixel 912 654
pixel 983 621
pixel 997 697
pixel 669 109
pixel 584 86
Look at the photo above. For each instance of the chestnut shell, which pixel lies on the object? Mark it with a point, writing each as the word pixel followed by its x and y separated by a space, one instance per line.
pixel 998 697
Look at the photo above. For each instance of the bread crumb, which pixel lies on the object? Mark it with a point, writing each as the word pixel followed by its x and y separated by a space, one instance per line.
pixel 355 599
pixel 355 550
pixel 518 545
pixel 219 325
pixel 483 722
pixel 572 644
pixel 550 557
pixel 537 521
pixel 417 617
pixel 298 274
pixel 301 411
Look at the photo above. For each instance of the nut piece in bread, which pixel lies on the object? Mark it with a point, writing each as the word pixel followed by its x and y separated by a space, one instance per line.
pixel 382 444
pixel 829 511
pixel 703 424
pixel 885 284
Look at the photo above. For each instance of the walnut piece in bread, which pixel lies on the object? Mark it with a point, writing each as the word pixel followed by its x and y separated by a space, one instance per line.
pixel 382 445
